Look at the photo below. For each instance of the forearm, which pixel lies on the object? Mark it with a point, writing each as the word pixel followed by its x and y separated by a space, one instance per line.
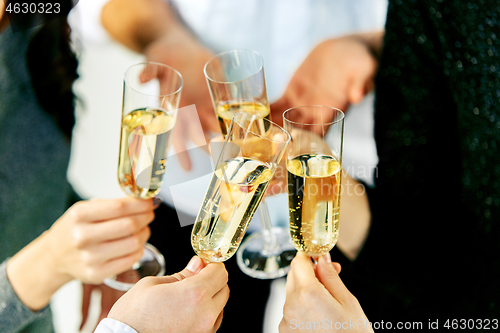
pixel 14 315
pixel 355 217
pixel 136 24
pixel 374 40
pixel 33 274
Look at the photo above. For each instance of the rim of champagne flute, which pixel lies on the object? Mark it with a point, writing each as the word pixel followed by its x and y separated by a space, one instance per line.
pixel 145 63
pixel 314 106
pixel 256 134
pixel 218 55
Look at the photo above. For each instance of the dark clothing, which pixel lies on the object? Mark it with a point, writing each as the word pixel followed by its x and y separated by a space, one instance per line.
pixel 34 153
pixel 34 157
pixel 37 70
pixel 434 246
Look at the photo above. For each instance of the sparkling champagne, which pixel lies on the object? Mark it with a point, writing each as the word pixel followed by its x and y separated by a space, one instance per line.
pixel 144 142
pixel 225 112
pixel 235 191
pixel 314 202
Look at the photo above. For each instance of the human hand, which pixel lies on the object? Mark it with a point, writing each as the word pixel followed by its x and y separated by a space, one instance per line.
pixel 189 301
pixel 316 294
pixel 96 239
pixel 181 51
pixel 337 72
pixel 93 240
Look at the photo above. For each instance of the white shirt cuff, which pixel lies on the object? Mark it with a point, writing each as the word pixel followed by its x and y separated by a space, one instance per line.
pixel 108 325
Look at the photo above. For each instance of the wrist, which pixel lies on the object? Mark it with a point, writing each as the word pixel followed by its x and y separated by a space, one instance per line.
pixel 34 275
pixel 373 41
pixel 170 39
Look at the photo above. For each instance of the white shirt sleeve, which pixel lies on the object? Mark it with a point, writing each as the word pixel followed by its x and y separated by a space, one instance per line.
pixel 108 325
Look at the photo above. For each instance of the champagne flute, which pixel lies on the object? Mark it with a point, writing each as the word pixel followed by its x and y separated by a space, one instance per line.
pixel 314 167
pixel 251 151
pixel 236 82
pixel 151 95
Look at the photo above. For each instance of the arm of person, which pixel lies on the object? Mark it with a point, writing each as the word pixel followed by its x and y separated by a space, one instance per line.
pixel 373 40
pixel 189 301
pixel 355 217
pixel 317 299
pixel 136 24
pixel 93 240
pixel 14 314
pixel 337 72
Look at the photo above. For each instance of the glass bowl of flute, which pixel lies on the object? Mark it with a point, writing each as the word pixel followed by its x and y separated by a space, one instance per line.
pixel 250 154
pixel 314 169
pixel 237 83
pixel 151 95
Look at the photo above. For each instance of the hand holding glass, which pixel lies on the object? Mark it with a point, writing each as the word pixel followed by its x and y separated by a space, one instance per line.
pixel 250 154
pixel 151 95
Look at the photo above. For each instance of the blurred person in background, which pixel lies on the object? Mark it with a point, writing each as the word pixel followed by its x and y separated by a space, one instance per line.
pixel 41 246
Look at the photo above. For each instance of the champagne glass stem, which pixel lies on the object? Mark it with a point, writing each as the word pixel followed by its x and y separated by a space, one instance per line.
pixel 271 246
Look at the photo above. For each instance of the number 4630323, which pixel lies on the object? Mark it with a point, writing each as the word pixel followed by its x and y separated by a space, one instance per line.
pixel 472 324
pixel 33 8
